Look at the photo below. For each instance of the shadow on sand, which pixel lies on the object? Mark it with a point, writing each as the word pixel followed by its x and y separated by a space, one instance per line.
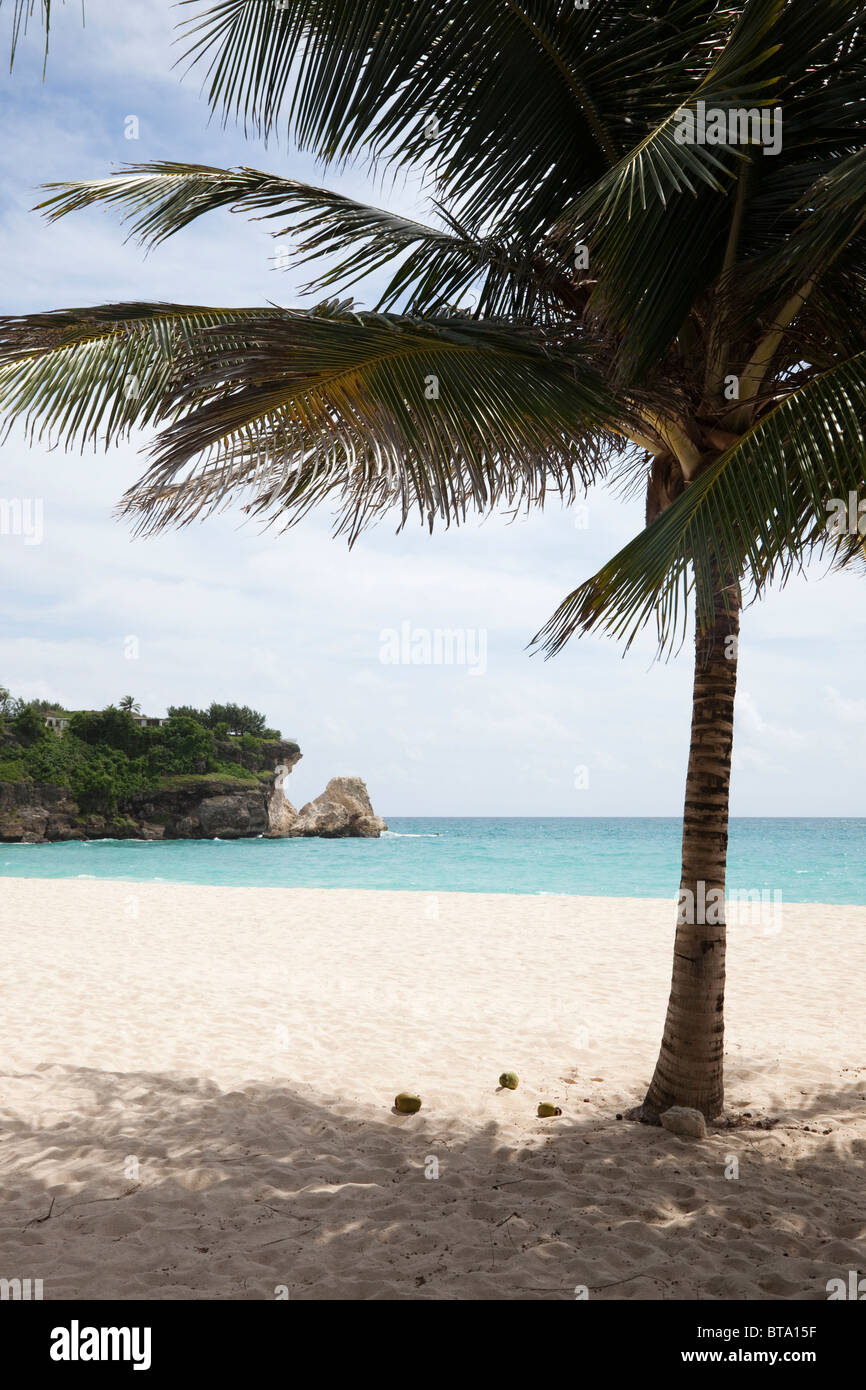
pixel 142 1185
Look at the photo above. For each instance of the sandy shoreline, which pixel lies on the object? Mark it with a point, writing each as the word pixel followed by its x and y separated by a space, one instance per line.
pixel 201 1081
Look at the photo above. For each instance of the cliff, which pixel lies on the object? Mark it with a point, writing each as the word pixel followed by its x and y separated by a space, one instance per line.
pixel 185 808
pixel 192 808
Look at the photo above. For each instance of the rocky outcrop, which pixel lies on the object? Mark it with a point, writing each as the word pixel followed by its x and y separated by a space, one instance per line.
pixel 201 809
pixel 36 811
pixel 281 813
pixel 192 808
pixel 342 809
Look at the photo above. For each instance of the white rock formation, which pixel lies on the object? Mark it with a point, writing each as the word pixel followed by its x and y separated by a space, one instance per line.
pixel 343 809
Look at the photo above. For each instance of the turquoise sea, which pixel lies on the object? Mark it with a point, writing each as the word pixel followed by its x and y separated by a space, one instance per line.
pixel 804 860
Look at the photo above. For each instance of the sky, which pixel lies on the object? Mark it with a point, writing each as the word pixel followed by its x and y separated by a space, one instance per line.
pixel 296 624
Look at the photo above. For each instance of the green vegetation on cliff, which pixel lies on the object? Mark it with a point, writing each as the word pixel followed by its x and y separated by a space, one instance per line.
pixel 107 755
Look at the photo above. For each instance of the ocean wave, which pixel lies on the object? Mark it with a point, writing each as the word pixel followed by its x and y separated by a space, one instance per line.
pixel 412 834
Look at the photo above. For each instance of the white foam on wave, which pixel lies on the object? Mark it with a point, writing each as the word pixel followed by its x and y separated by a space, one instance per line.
pixel 411 834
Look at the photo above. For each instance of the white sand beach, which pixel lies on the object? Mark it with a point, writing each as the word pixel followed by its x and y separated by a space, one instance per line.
pixel 197 1091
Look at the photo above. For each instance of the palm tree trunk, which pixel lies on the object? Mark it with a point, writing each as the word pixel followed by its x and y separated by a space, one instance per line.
pixel 690 1070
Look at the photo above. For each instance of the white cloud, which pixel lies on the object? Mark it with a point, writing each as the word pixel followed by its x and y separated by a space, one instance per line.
pixel 846 711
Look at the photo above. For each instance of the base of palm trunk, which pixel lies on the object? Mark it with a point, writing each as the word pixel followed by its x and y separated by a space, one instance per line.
pixel 639 1115
pixel 655 1104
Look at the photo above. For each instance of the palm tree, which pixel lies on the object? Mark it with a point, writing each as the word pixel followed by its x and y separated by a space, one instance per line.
pixel 129 705
pixel 673 313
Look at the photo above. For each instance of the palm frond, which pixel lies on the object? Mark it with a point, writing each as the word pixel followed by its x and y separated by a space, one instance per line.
pixel 531 100
pixel 82 376
pixel 437 265
pixel 664 163
pixel 375 412
pixel 763 505
pixel 672 200
pixel 834 211
pixel 22 12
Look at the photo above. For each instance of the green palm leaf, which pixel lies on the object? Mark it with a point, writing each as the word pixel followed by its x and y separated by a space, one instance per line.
pixel 763 505
pixel 437 265
pixel 667 202
pixel 834 212
pixel 660 164
pixel 533 100
pixel 375 412
pixel 78 376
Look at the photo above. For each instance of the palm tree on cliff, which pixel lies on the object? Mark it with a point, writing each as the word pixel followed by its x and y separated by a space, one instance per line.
pixel 650 304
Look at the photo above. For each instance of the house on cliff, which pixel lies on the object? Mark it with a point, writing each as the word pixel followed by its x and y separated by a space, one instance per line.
pixel 144 721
